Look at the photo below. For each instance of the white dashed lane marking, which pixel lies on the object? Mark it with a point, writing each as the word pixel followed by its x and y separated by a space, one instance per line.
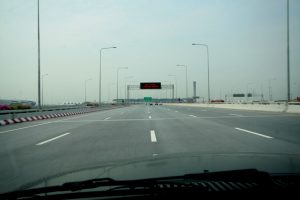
pixel 254 133
pixel 55 138
pixel 153 136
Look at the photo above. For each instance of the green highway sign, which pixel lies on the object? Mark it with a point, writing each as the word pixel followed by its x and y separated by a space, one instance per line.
pixel 147 99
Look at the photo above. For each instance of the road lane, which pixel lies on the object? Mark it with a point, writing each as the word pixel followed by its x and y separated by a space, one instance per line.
pixel 129 133
pixel 279 125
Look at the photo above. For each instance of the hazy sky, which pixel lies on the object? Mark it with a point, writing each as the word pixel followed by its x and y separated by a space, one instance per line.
pixel 246 38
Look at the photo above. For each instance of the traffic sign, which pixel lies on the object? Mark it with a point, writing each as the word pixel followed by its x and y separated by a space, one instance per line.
pixel 150 85
pixel 238 95
pixel 147 99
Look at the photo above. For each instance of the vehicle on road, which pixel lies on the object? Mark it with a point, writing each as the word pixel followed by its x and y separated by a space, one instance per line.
pixel 16 104
pixel 4 107
pixel 217 101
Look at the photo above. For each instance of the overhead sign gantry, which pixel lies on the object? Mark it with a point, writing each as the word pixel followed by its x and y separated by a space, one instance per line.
pixel 150 86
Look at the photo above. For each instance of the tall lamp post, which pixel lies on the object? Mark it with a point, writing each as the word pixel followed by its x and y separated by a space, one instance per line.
pixel 186 80
pixel 118 80
pixel 105 48
pixel 208 87
pixel 39 62
pixel 288 54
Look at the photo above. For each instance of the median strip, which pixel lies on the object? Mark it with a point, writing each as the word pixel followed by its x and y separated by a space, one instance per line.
pixel 258 134
pixel 55 138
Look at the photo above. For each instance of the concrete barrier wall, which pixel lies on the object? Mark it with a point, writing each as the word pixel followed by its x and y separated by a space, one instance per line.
pixel 293 109
pixel 258 107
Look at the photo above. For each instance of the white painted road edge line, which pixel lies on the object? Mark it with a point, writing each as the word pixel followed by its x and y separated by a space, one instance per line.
pixel 150 117
pixel 236 115
pixel 107 118
pixel 192 116
pixel 265 136
pixel 25 127
pixel 153 136
pixel 55 138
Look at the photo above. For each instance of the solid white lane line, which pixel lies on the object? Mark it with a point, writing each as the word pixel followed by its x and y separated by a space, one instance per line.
pixel 55 138
pixel 175 111
pixel 153 136
pixel 192 116
pixel 16 129
pixel 107 118
pixel 258 134
pixel 150 117
pixel 236 115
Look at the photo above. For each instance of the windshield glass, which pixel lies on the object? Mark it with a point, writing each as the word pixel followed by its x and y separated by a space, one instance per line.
pixel 140 88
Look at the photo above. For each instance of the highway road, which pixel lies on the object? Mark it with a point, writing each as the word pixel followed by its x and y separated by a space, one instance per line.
pixel 30 151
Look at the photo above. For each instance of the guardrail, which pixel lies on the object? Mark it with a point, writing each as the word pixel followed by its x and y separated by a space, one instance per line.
pixel 5 112
pixel 258 102
pixel 11 114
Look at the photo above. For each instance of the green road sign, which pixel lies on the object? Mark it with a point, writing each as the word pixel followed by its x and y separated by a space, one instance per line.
pixel 147 99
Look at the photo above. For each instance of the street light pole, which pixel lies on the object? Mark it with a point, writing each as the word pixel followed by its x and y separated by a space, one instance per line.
pixel 186 80
pixel 100 72
pixel 42 102
pixel 39 62
pixel 207 53
pixel 85 88
pixel 288 54
pixel 118 80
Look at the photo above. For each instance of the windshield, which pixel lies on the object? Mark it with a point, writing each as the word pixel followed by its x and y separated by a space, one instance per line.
pixel 87 84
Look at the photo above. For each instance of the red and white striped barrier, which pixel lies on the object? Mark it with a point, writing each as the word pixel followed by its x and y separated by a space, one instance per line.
pixel 41 117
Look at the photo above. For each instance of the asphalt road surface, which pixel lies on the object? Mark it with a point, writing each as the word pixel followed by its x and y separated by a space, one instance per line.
pixel 30 151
